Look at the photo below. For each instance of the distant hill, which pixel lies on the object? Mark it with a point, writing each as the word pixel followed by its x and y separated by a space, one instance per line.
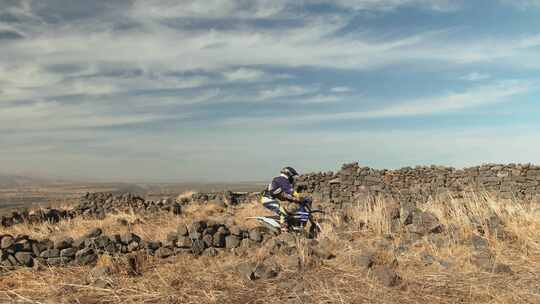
pixel 7 180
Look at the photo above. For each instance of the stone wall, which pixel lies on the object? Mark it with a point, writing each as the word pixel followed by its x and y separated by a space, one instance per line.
pixel 419 184
pixel 226 197
pixel 98 205
pixel 92 205
pixel 199 238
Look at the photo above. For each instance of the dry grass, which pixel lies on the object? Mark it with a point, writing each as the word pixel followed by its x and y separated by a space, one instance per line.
pixel 186 279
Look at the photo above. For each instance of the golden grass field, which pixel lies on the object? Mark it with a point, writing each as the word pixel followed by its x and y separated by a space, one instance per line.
pixel 187 279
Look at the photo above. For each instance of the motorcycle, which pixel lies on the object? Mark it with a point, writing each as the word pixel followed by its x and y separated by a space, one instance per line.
pixel 297 220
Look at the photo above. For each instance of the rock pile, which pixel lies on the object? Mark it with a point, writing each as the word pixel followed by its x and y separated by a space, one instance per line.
pixel 35 216
pixel 226 197
pixel 418 184
pixel 199 238
pixel 99 204
pixel 94 205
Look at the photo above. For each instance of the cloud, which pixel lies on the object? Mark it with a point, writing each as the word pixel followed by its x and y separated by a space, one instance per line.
pixel 10 35
pixel 30 81
pixel 475 76
pixel 171 70
pixel 244 74
pixel 478 96
pixel 283 91
pixel 54 115
pixel 160 50
pixel 319 99
pixel 437 5
pixel 219 9
pixel 159 9
pixel 341 90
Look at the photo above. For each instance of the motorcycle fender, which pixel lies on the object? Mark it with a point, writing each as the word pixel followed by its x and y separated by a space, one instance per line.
pixel 269 221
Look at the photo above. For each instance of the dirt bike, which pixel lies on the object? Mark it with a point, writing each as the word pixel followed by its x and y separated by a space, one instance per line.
pixel 297 220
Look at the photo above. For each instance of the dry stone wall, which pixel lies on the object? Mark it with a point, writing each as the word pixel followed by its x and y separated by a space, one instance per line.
pixel 225 197
pixel 92 205
pixel 207 238
pixel 98 205
pixel 354 182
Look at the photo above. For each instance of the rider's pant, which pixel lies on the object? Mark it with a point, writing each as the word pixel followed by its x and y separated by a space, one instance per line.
pixel 275 206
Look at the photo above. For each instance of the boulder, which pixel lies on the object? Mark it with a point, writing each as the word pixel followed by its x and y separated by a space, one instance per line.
pixel 102 241
pixel 24 258
pixel 152 245
pixel 50 253
pixel 93 233
pixel 247 243
pixel 424 223
pixel 68 252
pixel 172 238
pixel 86 256
pixel 133 246
pixel 219 239
pixel 255 235
pixel 23 245
pixel 39 264
pixel 129 237
pixel 197 247
pixel 63 243
pixel 210 252
pixel 236 230
pixel 58 261
pixel 264 272
pixel 6 242
pixel 184 242
pixel 79 243
pixel 197 226
pixel 164 252
pixel 407 210
pixel 232 241
pixel 479 243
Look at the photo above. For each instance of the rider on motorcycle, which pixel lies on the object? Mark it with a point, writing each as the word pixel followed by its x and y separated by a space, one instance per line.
pixel 279 192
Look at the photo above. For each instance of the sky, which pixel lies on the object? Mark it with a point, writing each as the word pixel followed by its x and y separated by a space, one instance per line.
pixel 233 90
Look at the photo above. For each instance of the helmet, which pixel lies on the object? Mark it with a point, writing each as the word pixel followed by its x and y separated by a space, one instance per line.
pixel 290 172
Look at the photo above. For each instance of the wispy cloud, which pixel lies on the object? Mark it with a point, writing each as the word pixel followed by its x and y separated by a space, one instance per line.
pixel 475 76
pixel 284 91
pixel 493 93
pixel 341 90
pixel 320 99
pixel 244 74
pixel 438 5
pixel 54 115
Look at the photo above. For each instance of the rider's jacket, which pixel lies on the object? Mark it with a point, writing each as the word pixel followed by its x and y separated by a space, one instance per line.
pixel 280 187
